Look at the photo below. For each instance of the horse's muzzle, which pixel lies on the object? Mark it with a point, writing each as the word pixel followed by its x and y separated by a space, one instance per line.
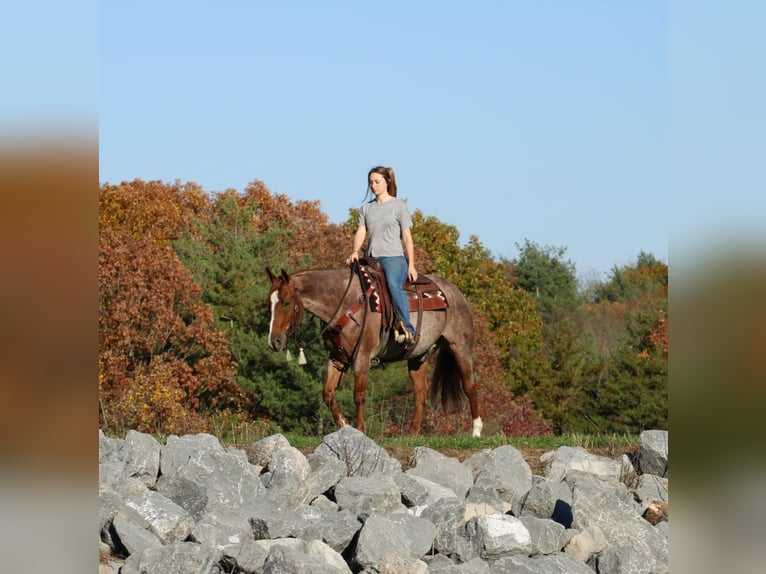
pixel 278 342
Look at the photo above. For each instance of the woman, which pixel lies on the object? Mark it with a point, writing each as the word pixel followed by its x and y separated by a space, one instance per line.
pixel 388 222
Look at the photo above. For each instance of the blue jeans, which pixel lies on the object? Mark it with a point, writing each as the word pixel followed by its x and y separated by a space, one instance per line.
pixel 396 274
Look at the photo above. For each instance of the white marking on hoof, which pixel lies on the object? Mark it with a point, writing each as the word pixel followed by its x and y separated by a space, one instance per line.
pixel 477 426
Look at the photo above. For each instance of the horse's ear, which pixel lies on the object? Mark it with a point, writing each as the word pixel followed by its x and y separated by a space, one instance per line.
pixel 271 275
pixel 285 276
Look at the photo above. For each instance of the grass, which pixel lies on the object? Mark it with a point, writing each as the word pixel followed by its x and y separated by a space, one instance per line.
pixel 467 442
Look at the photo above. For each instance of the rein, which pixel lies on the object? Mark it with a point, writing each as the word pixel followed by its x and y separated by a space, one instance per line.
pixel 344 359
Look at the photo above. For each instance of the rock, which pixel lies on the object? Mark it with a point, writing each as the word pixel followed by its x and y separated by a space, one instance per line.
pixel 197 471
pixel 364 495
pixel 547 499
pixel 653 452
pixel 586 543
pixel 633 545
pixel 168 521
pixel 260 452
pixel 192 505
pixel 451 539
pixel 359 453
pixel 567 459
pixel 547 535
pixel 437 468
pixel 650 488
pixel 384 538
pixel 499 535
pixel 503 470
pixel 289 472
pixel 540 564
pixel 440 564
pixel 419 491
pixel 178 558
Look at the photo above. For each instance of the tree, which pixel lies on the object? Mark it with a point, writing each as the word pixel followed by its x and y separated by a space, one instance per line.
pixel 543 272
pixel 162 363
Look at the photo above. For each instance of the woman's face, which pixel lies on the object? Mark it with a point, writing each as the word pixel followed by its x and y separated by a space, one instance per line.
pixel 378 184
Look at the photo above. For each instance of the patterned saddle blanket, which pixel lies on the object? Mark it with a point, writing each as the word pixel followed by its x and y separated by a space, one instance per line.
pixel 423 295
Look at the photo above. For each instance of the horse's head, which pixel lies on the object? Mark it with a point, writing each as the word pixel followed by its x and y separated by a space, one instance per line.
pixel 286 309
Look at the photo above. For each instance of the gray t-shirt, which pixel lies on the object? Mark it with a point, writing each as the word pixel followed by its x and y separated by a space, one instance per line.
pixel 384 223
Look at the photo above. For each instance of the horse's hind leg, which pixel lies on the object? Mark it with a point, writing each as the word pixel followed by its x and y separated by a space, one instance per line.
pixel 334 376
pixel 418 375
pixel 465 365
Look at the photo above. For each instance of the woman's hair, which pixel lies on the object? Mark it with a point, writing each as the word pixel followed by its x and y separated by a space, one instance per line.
pixel 388 175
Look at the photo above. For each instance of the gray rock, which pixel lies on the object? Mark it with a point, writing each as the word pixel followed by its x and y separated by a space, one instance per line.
pixel 170 522
pixel 435 467
pixel 540 564
pixel 359 453
pixel 326 472
pixel 499 535
pixel 197 471
pixel 270 521
pixel 653 452
pixel 178 558
pixel 433 491
pixel 289 471
pixel 363 496
pixel 137 457
pixel 547 499
pixel 503 469
pixel 336 528
pixel 566 459
pixel 548 537
pixel 440 564
pixel 649 488
pixel 383 538
pixel 223 529
pixel 132 537
pixel 489 496
pixel 451 539
pixel 260 452
pixel 586 543
pixel 305 557
pixel 633 545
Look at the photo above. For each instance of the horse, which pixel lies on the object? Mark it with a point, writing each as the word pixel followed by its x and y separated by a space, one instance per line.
pixel 356 335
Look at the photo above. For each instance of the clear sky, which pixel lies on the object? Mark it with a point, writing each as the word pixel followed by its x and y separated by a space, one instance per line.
pixel 509 120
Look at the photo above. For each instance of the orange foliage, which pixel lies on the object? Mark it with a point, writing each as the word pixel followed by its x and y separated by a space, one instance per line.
pixel 157 342
pixel 151 209
pixel 312 235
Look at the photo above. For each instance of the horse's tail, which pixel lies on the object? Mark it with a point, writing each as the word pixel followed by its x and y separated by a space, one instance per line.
pixel 447 379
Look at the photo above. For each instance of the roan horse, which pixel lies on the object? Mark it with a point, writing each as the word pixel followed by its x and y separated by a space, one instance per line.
pixel 355 335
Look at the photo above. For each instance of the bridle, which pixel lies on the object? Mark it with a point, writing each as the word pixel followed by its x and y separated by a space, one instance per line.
pixel 341 358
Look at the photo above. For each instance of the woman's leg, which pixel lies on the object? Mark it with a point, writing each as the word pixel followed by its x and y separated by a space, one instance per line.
pixel 396 274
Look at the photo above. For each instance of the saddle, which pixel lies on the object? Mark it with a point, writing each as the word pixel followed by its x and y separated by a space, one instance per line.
pixel 423 294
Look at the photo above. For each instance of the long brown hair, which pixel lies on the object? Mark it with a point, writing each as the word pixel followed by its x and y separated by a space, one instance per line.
pixel 388 175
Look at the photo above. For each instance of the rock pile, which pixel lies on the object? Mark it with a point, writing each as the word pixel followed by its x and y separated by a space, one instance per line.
pixel 192 505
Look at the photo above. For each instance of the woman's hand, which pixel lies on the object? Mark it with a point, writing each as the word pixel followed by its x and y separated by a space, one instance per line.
pixel 412 273
pixel 353 257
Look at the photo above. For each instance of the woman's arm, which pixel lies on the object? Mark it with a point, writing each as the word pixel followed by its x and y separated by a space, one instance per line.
pixel 359 237
pixel 409 250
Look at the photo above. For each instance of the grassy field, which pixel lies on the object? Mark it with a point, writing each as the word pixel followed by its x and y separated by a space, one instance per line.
pixel 466 442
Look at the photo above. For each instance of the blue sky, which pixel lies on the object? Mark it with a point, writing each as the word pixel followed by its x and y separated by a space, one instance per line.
pixel 601 126
pixel 509 120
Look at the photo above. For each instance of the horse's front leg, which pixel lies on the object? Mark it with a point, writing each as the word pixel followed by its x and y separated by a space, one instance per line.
pixel 361 376
pixel 334 376
pixel 418 376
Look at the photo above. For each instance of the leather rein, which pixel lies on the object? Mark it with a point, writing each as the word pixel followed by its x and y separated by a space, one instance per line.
pixel 341 358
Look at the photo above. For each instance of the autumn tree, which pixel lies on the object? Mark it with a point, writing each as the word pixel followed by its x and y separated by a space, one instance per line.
pixel 163 366
pixel 151 209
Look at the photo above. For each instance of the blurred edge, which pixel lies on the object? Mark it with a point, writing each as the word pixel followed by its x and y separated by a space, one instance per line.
pixel 48 351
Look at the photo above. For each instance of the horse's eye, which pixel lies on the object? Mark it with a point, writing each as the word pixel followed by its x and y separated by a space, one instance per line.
pixel 286 304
